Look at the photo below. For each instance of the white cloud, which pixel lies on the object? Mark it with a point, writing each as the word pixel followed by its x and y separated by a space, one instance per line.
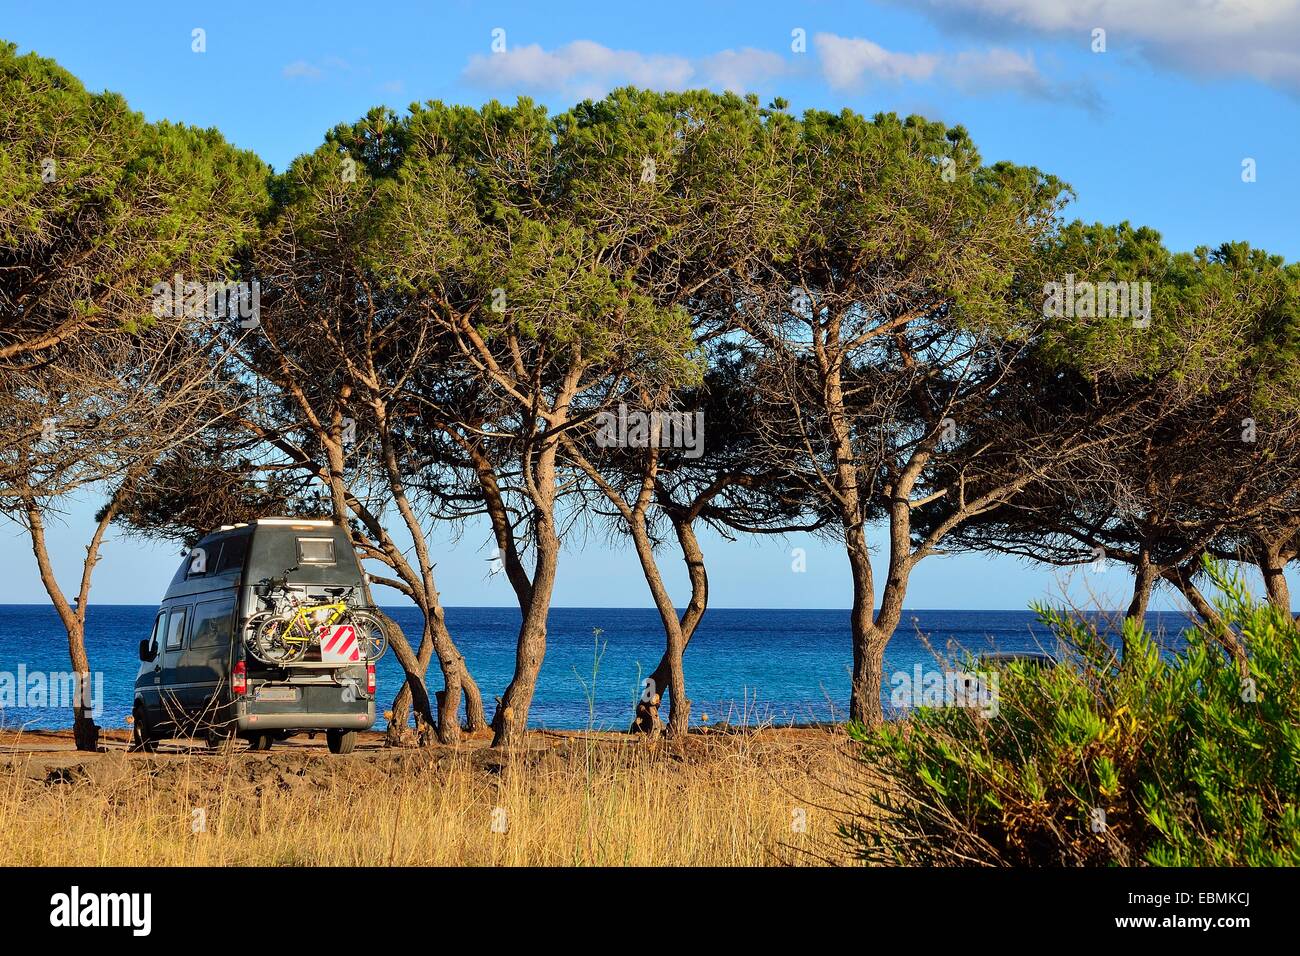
pixel 995 68
pixel 850 63
pixel 1255 38
pixel 741 70
pixel 1002 69
pixel 302 70
pixel 581 63
pixel 585 68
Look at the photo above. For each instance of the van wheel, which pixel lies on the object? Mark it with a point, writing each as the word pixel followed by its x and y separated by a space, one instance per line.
pixel 220 740
pixel 260 741
pixel 341 741
pixel 142 737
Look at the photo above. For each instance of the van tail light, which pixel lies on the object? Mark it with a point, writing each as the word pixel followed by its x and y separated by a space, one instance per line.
pixel 370 678
pixel 239 679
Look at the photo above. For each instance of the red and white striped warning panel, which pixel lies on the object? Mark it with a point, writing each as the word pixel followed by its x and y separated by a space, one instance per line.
pixel 338 644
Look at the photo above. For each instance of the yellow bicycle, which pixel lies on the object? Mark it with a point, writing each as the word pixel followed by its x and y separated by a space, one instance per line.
pixel 287 636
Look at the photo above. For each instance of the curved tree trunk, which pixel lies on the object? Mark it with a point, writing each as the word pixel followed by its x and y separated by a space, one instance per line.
pixel 412 668
pixel 399 719
pixel 435 637
pixel 456 679
pixel 680 708
pixel 1182 579
pixel 85 732
pixel 646 718
pixel 510 721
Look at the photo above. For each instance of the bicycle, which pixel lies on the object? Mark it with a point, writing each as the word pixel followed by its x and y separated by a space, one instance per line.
pixel 291 627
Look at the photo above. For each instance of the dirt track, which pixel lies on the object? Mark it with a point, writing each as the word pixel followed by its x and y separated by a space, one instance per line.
pixel 50 757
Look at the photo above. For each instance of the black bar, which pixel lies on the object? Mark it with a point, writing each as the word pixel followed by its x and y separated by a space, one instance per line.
pixel 933 908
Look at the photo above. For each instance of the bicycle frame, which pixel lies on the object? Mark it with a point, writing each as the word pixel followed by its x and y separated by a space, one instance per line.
pixel 294 626
pixel 307 621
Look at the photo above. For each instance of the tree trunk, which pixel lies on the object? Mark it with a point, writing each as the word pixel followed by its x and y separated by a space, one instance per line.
pixel 680 709
pixel 1273 567
pixel 85 733
pixel 1182 579
pixel 400 719
pixel 511 719
pixel 510 722
pixel 456 679
pixel 435 636
pixel 413 670
pixel 646 718
pixel 1144 579
pixel 868 673
pixel 868 649
pixel 399 714
pixel 871 636
pixel 1145 575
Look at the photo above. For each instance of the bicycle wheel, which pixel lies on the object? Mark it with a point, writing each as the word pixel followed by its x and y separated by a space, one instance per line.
pixel 249 632
pixel 253 636
pixel 276 642
pixel 372 635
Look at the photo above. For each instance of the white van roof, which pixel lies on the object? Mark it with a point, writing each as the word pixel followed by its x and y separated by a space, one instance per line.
pixel 313 522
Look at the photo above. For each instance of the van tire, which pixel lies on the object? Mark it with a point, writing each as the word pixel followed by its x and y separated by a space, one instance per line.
pixel 341 741
pixel 260 741
pixel 142 738
pixel 219 739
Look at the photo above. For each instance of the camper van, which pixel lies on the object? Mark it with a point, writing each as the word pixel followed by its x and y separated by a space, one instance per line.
pixel 260 637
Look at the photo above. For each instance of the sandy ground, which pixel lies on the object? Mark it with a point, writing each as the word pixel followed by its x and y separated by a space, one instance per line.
pixel 51 756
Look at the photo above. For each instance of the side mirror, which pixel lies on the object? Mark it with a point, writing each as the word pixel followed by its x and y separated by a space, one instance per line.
pixel 146 652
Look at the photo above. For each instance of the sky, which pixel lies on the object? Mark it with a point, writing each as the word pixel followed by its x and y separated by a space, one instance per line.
pixel 1183 117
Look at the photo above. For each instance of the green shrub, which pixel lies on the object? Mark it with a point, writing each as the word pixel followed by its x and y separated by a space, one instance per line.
pixel 1177 760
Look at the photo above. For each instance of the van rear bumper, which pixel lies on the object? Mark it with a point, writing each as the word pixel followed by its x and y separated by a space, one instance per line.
pixel 306 721
pixel 253 715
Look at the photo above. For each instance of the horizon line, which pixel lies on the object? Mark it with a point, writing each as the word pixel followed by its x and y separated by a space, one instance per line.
pixel 596 607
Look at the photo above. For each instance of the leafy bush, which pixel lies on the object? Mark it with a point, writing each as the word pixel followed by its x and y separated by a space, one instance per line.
pixel 1176 760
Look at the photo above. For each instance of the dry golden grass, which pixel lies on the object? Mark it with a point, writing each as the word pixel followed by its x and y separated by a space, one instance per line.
pixel 721 800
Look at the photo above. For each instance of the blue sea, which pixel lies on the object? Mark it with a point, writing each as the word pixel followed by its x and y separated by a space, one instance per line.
pixel 742 665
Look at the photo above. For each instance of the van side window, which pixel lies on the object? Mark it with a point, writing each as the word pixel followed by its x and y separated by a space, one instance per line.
pixel 233 552
pixel 176 628
pixel 315 550
pixel 159 628
pixel 212 623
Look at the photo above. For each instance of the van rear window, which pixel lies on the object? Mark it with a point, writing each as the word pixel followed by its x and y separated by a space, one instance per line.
pixel 315 550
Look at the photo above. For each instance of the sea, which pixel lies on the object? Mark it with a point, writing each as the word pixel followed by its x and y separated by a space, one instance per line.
pixel 743 666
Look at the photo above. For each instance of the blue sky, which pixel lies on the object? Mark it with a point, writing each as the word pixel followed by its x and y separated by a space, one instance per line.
pixel 1154 130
